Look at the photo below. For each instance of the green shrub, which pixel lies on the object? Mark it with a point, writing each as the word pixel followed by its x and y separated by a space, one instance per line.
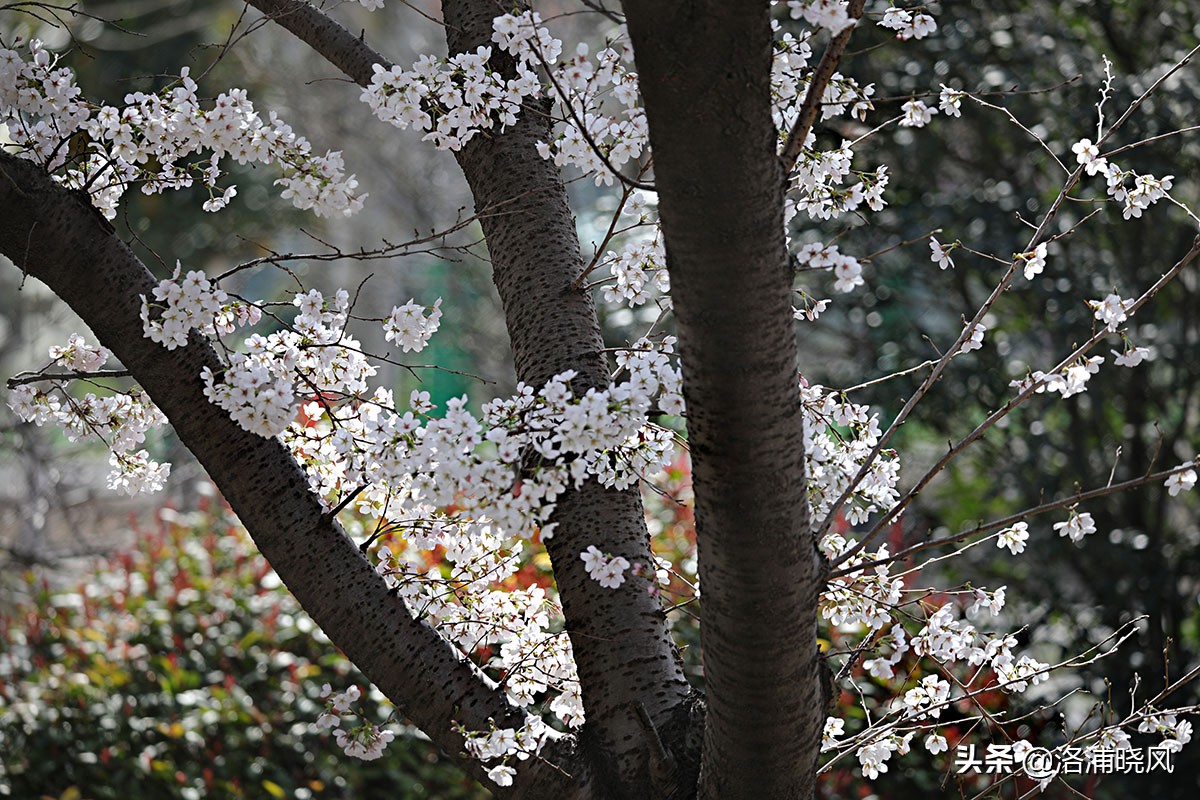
pixel 181 669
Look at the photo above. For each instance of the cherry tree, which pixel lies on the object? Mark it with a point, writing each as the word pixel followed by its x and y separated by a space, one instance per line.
pixel 701 118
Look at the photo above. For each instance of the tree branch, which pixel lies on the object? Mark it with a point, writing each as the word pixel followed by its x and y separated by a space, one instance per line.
pixel 705 69
pixel 101 280
pixel 956 449
pixel 38 377
pixel 338 46
pixel 623 649
pixel 1004 522
pixel 816 90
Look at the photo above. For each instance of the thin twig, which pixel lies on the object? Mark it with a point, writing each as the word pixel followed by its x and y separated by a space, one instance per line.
pixel 582 128
pixel 889 377
pixel 1005 522
pixel 1136 104
pixel 1005 281
pixel 25 378
pixel 1003 411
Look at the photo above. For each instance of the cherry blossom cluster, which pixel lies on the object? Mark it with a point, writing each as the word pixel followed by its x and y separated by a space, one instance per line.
pixel 1175 732
pixel 446 558
pixel 819 178
pixel 182 304
pixel 1132 355
pixel 1077 526
pixel 167 140
pixel 167 128
pixel 444 484
pixel 874 747
pixel 603 127
pixel 975 340
pixel 120 420
pixel 254 391
pixel 1111 310
pixel 454 99
pixel 1014 537
pixel 135 472
pixel 410 462
pixel 593 138
pixel 873 756
pixel 927 698
pixel 517 632
pixel 652 370
pixel 950 101
pixel 259 388
pixel 813 307
pixel 917 114
pixel 788 66
pixel 862 597
pixel 1070 380
pixel 834 16
pixel 908 24
pixel 409 328
pixel 948 641
pixel 505 745
pixel 1146 190
pixel 609 572
pixel 847 272
pixel 790 78
pixel 40 104
pixel 464 599
pixel 839 436
pixel 639 270
pixel 78 355
pixel 864 602
pixel 363 740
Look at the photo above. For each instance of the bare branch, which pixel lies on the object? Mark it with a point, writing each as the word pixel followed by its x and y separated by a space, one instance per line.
pixel 25 378
pixel 1053 505
pixel 1023 395
pixel 349 53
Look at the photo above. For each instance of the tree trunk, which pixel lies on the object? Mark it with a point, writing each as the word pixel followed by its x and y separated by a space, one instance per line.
pixel 640 712
pixel 705 79
pixel 628 670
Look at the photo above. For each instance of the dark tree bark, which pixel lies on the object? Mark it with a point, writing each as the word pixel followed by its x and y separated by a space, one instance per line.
pixel 57 237
pixel 705 79
pixel 705 72
pixel 628 670
pixel 637 699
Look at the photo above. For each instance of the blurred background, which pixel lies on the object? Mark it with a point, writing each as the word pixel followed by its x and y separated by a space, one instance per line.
pixel 157 601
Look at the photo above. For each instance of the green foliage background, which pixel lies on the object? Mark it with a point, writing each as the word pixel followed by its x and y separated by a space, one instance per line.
pixel 183 669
